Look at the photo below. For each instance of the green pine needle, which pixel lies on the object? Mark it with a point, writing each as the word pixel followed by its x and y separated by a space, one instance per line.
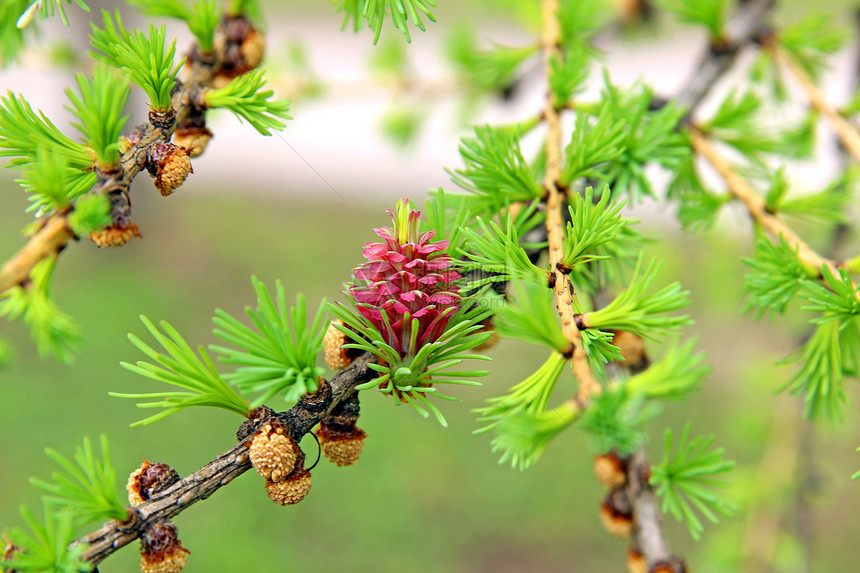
pixel 776 276
pixel 821 374
pixel 53 331
pixel 592 225
pixel 528 313
pixel 46 548
pixel 524 437
pixel 636 312
pixel 614 420
pixel 711 14
pixel 205 15
pixel 811 41
pixel 46 9
pixel 447 215
pixel 497 254
pixel 202 16
pixel 245 97
pixel 599 348
pixel 180 367
pixel 91 213
pixel 593 144
pixel 829 206
pixel 51 184
pixel 486 71
pixel 414 377
pixel 738 123
pixel 837 299
pixel 88 490
pixel 698 207
pixel 650 137
pixel 530 396
pixel 98 107
pixel 278 355
pixel 495 168
pixel 373 13
pixel 178 9
pixel 674 377
pixel 568 75
pixel 146 58
pixel 685 480
pixel 23 132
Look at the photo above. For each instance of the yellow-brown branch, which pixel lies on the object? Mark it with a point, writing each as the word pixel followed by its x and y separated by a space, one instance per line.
pixel 846 132
pixel 755 204
pixel 554 205
pixel 47 241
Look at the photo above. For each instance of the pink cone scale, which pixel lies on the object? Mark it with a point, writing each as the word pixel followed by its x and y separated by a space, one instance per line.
pixel 406 288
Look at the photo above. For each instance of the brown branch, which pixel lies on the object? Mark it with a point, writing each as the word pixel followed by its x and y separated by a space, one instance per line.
pixel 846 132
pixel 755 204
pixel 562 287
pixel 201 484
pixel 116 181
pixel 649 538
pixel 50 239
pixel 747 23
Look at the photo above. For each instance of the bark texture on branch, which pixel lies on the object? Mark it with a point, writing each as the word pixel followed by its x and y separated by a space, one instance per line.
pixel 55 234
pixel 226 467
pixel 560 282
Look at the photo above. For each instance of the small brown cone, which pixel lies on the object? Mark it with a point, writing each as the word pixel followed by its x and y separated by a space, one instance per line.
pixel 193 139
pixel 291 490
pixel 615 513
pixel 488 326
pixel 632 349
pixel 253 48
pixel 115 235
pixel 334 339
pixel 341 448
pixel 273 454
pixel 611 470
pixel 636 562
pixel 9 549
pixel 160 549
pixel 149 479
pixel 173 167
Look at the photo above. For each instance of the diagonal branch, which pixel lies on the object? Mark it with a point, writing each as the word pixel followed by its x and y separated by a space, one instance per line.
pixel 747 24
pixel 846 132
pixel 55 233
pixel 201 484
pixel 755 203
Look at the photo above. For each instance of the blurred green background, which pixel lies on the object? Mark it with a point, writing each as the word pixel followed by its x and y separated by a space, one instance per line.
pixel 421 497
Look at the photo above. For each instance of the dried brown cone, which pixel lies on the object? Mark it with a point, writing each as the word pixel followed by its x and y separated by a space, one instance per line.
pixel 636 562
pixel 340 448
pixel 616 514
pixel 9 549
pixel 632 349
pixel 115 235
pixel 611 470
pixel 667 567
pixel 160 549
pixel 336 356
pixel 193 139
pixel 487 326
pixel 273 453
pixel 171 165
pixel 148 480
pixel 253 48
pixel 291 490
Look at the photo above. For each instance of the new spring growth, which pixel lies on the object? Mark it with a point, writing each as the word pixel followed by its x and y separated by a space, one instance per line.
pixel 406 289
